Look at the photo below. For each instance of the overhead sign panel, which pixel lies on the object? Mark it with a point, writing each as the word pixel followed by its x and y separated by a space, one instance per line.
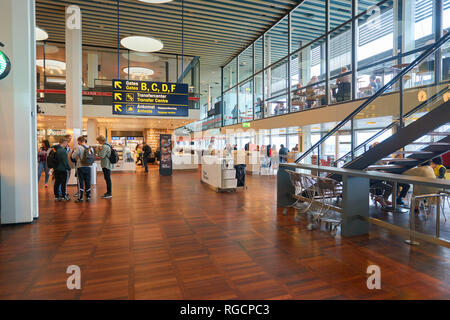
pixel 148 98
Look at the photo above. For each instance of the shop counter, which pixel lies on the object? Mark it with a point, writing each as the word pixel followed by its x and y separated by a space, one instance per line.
pixel 184 161
pixel 252 161
pixel 219 173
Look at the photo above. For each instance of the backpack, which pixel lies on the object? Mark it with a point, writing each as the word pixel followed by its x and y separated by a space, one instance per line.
pixel 52 160
pixel 88 156
pixel 114 156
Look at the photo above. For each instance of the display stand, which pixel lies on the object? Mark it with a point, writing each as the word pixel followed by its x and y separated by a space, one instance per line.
pixel 252 162
pixel 184 161
pixel 219 173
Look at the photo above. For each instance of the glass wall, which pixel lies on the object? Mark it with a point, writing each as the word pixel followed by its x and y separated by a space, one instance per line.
pixel 101 65
pixel 307 60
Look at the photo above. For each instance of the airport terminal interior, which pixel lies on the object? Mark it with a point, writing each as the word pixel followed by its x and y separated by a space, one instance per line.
pixel 216 150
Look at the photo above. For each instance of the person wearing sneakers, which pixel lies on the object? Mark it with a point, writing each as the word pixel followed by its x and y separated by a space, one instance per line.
pixel 60 170
pixel 85 157
pixel 104 154
pixel 42 157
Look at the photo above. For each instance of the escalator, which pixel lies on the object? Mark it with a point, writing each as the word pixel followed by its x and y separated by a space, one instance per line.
pixel 418 129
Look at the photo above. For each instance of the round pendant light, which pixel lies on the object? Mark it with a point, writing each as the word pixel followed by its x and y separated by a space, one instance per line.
pixel 141 57
pixel 156 1
pixel 139 71
pixel 41 35
pixel 142 44
pixel 51 64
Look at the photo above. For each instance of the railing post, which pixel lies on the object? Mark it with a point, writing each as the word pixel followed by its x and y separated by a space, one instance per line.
pixel 401 124
pixel 438 217
pixel 352 139
pixel 412 224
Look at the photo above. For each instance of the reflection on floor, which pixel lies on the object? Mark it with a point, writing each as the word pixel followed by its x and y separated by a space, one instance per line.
pixel 174 238
pixel 425 223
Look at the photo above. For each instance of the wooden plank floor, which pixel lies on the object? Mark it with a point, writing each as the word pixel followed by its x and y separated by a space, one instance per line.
pixel 174 238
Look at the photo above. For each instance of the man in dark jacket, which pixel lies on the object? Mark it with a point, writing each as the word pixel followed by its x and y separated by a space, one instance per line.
pixel 61 170
pixel 147 153
pixel 283 153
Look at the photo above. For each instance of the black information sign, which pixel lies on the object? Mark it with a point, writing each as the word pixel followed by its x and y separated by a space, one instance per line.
pixel 147 98
pixel 165 165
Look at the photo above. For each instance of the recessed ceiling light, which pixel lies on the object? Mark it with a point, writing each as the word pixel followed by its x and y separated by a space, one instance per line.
pixel 142 44
pixel 156 1
pixel 41 35
pixel 139 71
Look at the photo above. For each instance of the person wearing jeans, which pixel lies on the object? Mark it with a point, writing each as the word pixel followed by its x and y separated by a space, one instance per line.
pixel 42 157
pixel 60 171
pixel 104 154
pixel 83 168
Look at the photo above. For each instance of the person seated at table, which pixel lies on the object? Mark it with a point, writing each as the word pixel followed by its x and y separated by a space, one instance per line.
pixel 373 83
pixel 438 168
pixel 343 86
pixel 311 92
pixel 276 110
pixel 378 83
pixel 426 171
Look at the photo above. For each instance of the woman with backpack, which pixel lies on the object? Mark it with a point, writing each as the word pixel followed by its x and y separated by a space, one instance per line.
pixel 42 159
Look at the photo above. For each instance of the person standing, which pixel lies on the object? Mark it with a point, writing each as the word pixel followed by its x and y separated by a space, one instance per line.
pixel 283 153
pixel 147 150
pixel 84 156
pixel 68 137
pixel 42 158
pixel 61 170
pixel 104 155
pixel 138 155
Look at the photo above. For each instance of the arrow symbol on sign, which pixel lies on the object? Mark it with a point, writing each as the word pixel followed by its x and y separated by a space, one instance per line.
pixel 118 85
pixel 118 108
pixel 118 96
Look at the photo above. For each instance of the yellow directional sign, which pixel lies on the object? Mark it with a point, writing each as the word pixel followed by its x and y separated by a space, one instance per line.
pixel 130 97
pixel 117 108
pixel 117 85
pixel 118 96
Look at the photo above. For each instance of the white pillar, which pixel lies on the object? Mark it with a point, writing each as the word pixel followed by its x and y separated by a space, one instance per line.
pixel 92 69
pixel 92 131
pixel 74 101
pixel 18 158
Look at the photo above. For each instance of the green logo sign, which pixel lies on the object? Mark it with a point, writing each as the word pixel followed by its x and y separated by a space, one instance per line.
pixel 5 65
pixel 246 125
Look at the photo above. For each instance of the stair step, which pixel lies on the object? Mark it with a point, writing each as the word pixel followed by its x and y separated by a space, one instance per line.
pixel 384 167
pixel 437 133
pixel 399 160
pixel 430 143
pixel 412 152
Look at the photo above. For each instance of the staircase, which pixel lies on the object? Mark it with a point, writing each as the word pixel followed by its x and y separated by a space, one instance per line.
pixel 418 135
pixel 420 141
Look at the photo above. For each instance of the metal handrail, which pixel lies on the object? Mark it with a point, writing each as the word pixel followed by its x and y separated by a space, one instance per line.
pixel 379 133
pixel 399 76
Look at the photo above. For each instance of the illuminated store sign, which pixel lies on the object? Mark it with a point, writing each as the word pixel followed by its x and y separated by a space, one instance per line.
pixel 148 98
